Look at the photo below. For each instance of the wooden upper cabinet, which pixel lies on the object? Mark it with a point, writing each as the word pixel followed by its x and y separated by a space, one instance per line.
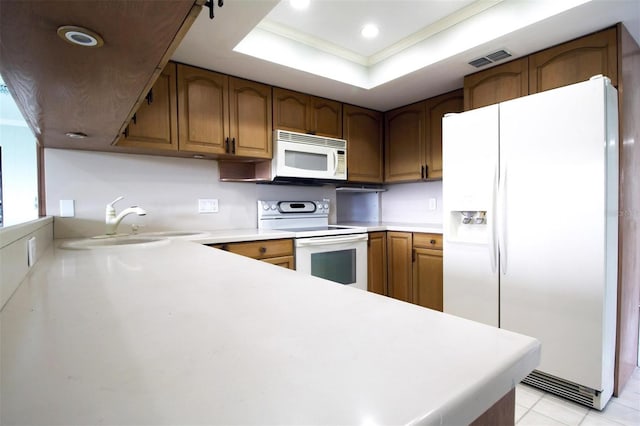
pixel 326 117
pixel 203 113
pixel 575 61
pixel 155 124
pixel 404 138
pixel 223 115
pixel 365 144
pixel 250 118
pixel 436 109
pixel 290 110
pixel 497 84
pixel 299 112
pixel 377 263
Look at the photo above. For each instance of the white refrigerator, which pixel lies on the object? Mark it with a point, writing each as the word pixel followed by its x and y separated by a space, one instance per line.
pixel 530 200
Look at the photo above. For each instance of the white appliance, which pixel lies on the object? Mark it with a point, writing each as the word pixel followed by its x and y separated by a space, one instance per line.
pixel 302 156
pixel 336 253
pixel 530 199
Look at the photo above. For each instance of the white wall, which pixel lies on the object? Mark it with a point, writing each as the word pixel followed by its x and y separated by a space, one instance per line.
pixel 409 202
pixel 168 188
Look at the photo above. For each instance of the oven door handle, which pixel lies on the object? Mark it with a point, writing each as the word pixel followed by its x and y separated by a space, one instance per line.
pixel 321 241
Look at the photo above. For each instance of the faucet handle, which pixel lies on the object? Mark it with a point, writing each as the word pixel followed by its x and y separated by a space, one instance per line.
pixel 115 201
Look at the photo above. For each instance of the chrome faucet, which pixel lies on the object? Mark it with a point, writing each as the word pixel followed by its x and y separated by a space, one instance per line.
pixel 112 221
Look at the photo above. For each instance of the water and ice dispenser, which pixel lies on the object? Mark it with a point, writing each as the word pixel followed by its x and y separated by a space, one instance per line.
pixel 468 226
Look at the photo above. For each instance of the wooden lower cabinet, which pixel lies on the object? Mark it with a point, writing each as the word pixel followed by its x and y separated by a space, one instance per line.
pixel 277 252
pixel 284 261
pixel 377 263
pixel 414 264
pixel 427 270
pixel 399 273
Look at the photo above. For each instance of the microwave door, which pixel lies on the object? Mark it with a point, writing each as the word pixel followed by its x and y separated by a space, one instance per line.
pixel 306 161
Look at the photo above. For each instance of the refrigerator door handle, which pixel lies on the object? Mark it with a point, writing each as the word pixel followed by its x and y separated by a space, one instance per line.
pixel 491 219
pixel 502 219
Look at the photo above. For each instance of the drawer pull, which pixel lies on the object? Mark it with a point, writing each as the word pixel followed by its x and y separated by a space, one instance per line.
pixel 433 241
pixel 225 247
pixel 263 250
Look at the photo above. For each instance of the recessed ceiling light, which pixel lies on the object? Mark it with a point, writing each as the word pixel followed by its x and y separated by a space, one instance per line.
pixel 80 36
pixel 370 31
pixel 76 135
pixel 299 4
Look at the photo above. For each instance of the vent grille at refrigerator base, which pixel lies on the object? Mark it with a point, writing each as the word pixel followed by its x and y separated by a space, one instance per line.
pixel 575 392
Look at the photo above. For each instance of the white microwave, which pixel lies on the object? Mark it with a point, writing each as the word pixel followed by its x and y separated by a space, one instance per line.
pixel 302 156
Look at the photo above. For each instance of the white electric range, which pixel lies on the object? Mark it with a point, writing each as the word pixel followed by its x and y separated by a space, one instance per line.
pixel 337 253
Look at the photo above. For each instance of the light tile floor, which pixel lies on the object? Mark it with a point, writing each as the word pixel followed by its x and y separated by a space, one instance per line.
pixel 536 407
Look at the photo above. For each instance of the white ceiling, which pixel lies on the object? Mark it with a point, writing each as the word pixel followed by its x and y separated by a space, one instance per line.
pixel 423 48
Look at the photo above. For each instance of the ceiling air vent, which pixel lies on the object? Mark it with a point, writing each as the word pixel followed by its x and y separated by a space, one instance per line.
pixel 490 58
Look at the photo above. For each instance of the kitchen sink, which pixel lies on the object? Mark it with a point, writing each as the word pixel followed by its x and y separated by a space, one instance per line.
pixel 113 242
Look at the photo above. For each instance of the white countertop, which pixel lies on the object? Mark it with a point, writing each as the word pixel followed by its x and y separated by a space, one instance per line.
pixel 429 228
pixel 186 334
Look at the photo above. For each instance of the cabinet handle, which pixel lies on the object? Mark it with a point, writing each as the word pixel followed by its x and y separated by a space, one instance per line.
pixel 233 145
pixel 224 247
pixel 135 118
pixel 126 132
pixel 150 97
pixel 226 145
pixel 263 250
pixel 421 172
pixel 210 4
pixel 413 255
pixel 426 171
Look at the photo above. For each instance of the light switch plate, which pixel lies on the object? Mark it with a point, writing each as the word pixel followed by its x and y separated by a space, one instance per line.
pixel 432 203
pixel 208 205
pixel 67 208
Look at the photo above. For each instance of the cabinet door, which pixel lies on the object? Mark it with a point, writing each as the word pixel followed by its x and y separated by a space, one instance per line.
pixel 155 125
pixel 250 118
pixel 497 84
pixel 203 110
pixel 404 138
pixel 399 281
pixel 326 117
pixel 377 263
pixel 436 109
pixel 363 131
pixel 427 278
pixel 575 61
pixel 283 261
pixel 290 110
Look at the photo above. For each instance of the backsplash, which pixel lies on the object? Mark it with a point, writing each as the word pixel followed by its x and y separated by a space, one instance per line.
pixel 403 202
pixel 167 188
pixel 409 202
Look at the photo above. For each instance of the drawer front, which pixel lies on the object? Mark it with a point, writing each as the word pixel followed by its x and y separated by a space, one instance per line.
pixel 284 261
pixel 260 249
pixel 430 241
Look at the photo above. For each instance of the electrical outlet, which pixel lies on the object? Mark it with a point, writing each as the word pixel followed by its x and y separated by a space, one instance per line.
pixel 208 205
pixel 432 203
pixel 31 251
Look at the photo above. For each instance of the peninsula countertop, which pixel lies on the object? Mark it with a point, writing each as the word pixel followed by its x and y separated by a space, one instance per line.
pixel 182 333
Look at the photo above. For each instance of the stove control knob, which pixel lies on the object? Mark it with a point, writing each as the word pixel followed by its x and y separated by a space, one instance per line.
pixel 326 206
pixel 273 206
pixel 265 206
